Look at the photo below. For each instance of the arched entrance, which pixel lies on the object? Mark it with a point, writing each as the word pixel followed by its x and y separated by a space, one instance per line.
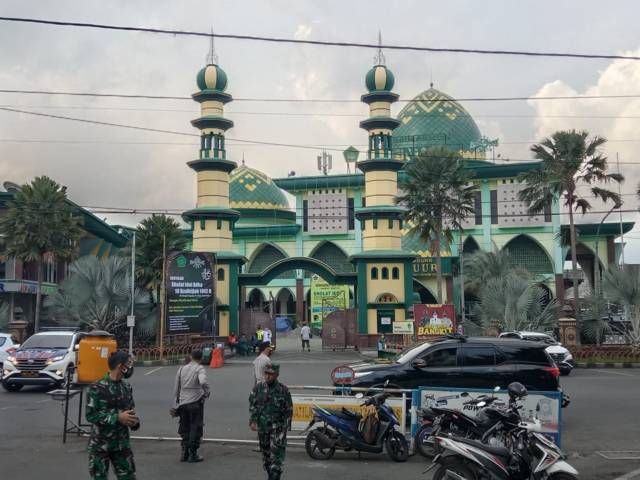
pixel 426 296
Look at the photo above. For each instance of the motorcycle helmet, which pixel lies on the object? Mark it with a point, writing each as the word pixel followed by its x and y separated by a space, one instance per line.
pixel 517 390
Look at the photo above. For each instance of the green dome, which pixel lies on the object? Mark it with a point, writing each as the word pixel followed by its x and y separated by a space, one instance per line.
pixel 250 189
pixel 434 118
pixel 212 77
pixel 379 78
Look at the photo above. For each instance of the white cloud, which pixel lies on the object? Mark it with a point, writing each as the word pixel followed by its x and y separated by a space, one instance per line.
pixel 303 32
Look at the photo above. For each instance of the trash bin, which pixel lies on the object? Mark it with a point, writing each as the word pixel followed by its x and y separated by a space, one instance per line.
pixel 93 355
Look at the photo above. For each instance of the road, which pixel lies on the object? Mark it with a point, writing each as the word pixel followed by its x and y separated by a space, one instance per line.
pixel 602 416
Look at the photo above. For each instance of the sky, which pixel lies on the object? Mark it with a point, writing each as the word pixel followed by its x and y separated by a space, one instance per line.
pixel 114 167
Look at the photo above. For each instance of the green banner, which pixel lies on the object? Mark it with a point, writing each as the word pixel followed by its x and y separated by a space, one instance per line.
pixel 325 298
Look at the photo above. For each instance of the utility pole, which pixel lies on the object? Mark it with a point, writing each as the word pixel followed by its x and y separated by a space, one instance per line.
pixel 621 229
pixel 163 294
pixel 461 256
pixel 131 319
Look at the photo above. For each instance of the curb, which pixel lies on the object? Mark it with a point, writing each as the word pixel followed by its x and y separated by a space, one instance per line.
pixel 608 365
pixel 165 362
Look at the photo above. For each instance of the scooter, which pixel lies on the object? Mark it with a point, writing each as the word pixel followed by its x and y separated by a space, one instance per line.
pixel 341 430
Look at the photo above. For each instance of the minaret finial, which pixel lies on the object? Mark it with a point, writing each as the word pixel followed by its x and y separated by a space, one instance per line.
pixel 379 58
pixel 431 81
pixel 212 58
pixel 243 158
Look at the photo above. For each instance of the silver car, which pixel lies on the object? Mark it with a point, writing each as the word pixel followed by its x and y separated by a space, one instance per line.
pixel 559 354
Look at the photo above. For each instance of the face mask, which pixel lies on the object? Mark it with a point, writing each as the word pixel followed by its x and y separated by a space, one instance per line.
pixel 127 372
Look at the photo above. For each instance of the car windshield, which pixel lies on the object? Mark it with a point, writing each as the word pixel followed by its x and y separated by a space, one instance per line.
pixel 48 341
pixel 2 340
pixel 411 352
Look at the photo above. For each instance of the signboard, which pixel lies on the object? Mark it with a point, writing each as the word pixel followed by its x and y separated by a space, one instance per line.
pixel 302 407
pixel 326 298
pixel 433 320
pixel 190 292
pixel 546 406
pixel 342 375
pixel 403 328
pixel 426 266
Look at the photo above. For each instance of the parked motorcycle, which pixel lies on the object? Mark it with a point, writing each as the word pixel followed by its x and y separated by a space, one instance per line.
pixel 342 429
pixel 484 426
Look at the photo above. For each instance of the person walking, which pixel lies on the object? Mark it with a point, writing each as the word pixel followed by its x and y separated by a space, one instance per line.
pixel 261 362
pixel 190 391
pixel 271 409
pixel 305 335
pixel 267 335
pixel 111 412
pixel 259 334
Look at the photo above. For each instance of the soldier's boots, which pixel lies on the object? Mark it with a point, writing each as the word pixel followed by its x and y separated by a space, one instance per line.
pixel 185 454
pixel 273 475
pixel 193 456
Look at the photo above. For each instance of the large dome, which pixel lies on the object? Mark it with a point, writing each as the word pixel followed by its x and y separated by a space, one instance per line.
pixel 250 189
pixel 434 118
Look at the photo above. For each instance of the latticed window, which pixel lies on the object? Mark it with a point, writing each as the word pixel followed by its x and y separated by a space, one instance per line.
pixel 526 253
pixel 334 257
pixel 267 256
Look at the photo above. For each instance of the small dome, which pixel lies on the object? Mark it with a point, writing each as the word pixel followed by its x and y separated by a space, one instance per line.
pixel 251 189
pixel 379 78
pixel 212 77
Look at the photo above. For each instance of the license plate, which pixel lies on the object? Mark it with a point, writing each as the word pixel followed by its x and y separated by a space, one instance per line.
pixel 30 374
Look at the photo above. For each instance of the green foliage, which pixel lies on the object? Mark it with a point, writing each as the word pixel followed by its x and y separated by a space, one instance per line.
pixel 438 197
pixel 97 294
pixel 622 286
pixel 149 247
pixel 481 266
pixel 593 319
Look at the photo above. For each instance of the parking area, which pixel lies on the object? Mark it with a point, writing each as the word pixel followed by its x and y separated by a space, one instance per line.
pixel 602 417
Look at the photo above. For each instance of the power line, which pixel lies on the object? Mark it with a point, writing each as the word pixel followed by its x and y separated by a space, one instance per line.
pixel 318 42
pixel 317 100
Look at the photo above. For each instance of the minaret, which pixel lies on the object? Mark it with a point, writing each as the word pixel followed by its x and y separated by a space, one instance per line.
pixel 385 272
pixel 212 220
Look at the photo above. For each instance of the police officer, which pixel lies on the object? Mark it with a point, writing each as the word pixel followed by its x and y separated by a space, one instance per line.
pixel 110 410
pixel 271 409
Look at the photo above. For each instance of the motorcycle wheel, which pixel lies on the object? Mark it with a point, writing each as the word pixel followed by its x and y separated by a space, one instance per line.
pixel 397 447
pixel 456 468
pixel 314 449
pixel 425 442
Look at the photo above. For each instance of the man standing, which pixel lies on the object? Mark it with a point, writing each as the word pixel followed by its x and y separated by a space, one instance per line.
pixel 271 409
pixel 305 335
pixel 261 362
pixel 190 391
pixel 110 410
pixel 267 335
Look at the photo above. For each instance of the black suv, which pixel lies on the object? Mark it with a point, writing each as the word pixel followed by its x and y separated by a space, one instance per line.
pixel 464 363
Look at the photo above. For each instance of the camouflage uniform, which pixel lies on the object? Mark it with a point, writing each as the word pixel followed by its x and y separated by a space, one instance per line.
pixel 109 440
pixel 271 409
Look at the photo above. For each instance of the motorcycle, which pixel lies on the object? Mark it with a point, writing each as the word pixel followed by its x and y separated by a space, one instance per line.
pixel 485 426
pixel 342 429
pixel 530 455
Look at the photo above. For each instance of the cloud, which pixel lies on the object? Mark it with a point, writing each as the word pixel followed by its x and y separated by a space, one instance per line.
pixel 303 32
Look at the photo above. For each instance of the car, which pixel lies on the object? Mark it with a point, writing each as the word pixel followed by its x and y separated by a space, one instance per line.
pixel 7 347
pixel 467 363
pixel 45 358
pixel 561 355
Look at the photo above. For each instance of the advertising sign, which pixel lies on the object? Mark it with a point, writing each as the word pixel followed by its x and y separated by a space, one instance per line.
pixel 403 328
pixel 302 407
pixel 190 292
pixel 325 298
pixel 433 320
pixel 545 406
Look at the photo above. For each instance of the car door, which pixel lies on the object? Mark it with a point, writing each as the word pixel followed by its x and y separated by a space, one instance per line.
pixel 484 367
pixel 441 368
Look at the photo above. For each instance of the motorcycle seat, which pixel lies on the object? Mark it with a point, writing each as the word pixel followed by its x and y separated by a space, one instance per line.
pixel 501 452
pixel 346 414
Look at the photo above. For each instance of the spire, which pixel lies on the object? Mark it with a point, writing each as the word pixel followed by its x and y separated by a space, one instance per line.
pixel 212 58
pixel 379 58
pixel 243 158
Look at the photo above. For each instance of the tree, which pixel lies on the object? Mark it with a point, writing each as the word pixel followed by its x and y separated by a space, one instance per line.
pixel 569 159
pixel 40 226
pixel 515 303
pixel 97 294
pixel 438 197
pixel 481 266
pixel 622 286
pixel 594 324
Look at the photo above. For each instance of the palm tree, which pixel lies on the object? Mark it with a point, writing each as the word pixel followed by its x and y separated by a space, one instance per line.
pixel 622 286
pixel 481 266
pixel 569 159
pixel 40 226
pixel 97 294
pixel 438 197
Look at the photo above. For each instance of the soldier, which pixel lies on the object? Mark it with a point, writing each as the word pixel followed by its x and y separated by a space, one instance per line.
pixel 110 410
pixel 271 409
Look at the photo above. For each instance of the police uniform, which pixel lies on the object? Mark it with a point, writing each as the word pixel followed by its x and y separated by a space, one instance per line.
pixel 109 440
pixel 271 409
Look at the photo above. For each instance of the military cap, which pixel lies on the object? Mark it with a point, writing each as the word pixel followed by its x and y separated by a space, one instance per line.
pixel 273 368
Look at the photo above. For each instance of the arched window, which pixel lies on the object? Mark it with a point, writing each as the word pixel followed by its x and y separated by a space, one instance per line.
pixel 395 273
pixel 221 274
pixel 374 273
pixel 385 273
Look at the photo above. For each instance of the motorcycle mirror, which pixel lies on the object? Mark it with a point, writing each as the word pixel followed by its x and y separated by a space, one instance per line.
pixel 359 395
pixel 419 363
pixel 464 394
pixel 496 389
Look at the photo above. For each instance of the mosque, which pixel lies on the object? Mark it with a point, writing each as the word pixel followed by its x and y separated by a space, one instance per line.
pixel 347 230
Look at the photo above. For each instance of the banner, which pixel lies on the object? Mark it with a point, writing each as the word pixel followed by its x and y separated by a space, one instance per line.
pixel 433 320
pixel 403 328
pixel 325 298
pixel 190 292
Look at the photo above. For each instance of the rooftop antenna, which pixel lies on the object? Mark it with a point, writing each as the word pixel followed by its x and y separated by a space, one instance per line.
pixel 212 58
pixel 379 58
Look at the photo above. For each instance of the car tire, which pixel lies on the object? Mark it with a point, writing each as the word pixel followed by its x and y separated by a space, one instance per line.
pixel 11 387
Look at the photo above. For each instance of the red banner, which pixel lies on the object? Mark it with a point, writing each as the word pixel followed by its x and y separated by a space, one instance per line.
pixel 434 320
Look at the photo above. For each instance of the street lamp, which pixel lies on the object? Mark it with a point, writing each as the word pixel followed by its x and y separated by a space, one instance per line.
pixel 596 266
pixel 351 156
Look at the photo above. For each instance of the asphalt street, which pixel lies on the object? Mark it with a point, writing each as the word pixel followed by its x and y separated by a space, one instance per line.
pixel 602 417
